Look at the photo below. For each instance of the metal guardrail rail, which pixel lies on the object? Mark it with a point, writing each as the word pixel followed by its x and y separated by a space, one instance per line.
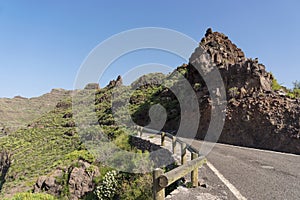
pixel 162 179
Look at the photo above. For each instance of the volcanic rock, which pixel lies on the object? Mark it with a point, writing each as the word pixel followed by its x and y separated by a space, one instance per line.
pixel 256 116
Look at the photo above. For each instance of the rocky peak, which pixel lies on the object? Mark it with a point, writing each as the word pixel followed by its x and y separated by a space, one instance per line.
pixel 115 83
pixel 255 115
pixel 238 72
pixel 221 49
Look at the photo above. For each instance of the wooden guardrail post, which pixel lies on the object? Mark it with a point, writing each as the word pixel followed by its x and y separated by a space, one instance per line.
pixel 194 174
pixel 140 131
pixel 173 144
pixel 163 135
pixel 158 191
pixel 183 153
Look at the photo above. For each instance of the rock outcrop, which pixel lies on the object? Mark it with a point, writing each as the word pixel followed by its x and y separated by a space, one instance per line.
pixel 238 72
pixel 256 116
pixel 115 83
pixel 78 180
pixel 92 86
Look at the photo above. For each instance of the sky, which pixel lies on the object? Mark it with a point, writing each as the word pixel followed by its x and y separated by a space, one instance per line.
pixel 44 43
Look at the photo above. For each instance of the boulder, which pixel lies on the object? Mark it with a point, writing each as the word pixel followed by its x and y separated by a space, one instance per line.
pixel 79 181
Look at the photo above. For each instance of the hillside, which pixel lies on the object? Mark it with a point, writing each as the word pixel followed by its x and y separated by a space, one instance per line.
pixel 49 155
pixel 19 111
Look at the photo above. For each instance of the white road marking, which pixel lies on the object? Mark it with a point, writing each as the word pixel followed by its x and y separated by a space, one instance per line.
pixel 231 187
pixel 261 150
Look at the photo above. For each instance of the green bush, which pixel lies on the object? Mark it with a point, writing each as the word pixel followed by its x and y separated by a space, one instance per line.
pixel 80 155
pixel 296 92
pixel 233 92
pixel 275 85
pixel 197 86
pixel 32 196
pixel 136 187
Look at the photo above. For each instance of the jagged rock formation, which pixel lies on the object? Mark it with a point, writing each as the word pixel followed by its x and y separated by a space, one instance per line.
pixel 256 116
pixel 246 75
pixel 115 83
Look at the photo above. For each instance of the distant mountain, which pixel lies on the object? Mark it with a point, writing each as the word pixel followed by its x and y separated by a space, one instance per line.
pixel 19 111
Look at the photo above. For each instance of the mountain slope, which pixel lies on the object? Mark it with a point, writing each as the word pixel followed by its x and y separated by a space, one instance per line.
pixel 49 155
pixel 19 111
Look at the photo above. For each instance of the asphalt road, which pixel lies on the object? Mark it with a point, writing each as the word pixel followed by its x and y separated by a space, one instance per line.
pixel 255 174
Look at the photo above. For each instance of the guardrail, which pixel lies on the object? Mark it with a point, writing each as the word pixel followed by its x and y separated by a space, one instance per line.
pixel 162 180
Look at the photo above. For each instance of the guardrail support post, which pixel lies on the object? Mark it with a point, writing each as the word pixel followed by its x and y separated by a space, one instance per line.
pixel 194 174
pixel 163 135
pixel 183 153
pixel 141 132
pixel 158 192
pixel 173 144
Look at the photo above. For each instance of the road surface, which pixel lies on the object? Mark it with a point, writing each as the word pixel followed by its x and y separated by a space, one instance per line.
pixel 246 173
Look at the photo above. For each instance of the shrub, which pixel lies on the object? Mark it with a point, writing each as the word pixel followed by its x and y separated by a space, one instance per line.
pixel 275 85
pixel 296 85
pixel 233 92
pixel 108 187
pixel 296 92
pixel 32 196
pixel 136 187
pixel 197 86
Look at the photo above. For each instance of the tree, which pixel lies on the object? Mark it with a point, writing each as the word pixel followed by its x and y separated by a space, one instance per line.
pixel 296 89
pixel 296 85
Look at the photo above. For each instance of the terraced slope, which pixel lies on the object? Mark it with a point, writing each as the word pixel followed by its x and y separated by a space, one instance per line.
pixel 19 111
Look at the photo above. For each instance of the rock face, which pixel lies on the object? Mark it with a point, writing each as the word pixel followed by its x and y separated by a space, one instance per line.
pixel 5 162
pixel 79 181
pixel 265 121
pixel 256 116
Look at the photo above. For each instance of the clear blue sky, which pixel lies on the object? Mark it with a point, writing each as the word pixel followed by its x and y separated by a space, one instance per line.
pixel 43 43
